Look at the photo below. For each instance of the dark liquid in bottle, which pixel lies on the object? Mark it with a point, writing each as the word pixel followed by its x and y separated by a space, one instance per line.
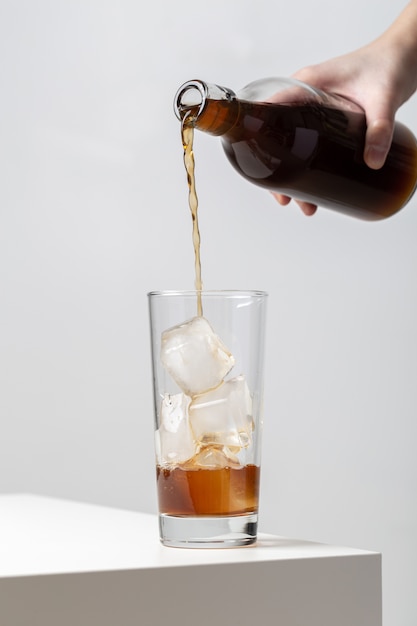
pixel 315 153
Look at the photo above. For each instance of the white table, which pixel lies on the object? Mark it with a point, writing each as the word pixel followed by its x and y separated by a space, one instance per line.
pixel 65 563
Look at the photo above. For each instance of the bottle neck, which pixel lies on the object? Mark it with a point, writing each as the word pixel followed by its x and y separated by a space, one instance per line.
pixel 210 108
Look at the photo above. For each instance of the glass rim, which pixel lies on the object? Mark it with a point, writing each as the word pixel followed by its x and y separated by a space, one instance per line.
pixel 225 293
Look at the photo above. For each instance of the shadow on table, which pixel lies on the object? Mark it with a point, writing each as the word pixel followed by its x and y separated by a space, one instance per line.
pixel 265 541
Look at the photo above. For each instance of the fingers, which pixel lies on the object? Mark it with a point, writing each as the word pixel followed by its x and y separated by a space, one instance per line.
pixel 307 207
pixel 283 200
pixel 378 142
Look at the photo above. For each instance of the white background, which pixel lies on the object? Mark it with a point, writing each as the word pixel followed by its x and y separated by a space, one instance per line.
pixel 93 215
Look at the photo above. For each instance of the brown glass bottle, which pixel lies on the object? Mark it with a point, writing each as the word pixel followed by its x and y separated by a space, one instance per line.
pixel 305 144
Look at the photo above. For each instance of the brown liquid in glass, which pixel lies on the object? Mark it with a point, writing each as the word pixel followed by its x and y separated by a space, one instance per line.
pixel 224 491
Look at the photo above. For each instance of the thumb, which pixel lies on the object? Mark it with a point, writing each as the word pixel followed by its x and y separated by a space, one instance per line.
pixel 378 142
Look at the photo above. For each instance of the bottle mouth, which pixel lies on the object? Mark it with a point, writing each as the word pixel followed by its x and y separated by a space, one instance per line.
pixel 191 95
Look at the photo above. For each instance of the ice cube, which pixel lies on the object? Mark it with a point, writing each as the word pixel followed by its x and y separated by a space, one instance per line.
pixel 223 416
pixel 213 457
pixel 194 356
pixel 174 441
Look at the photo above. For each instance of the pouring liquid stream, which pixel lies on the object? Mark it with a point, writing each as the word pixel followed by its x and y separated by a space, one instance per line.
pixel 187 135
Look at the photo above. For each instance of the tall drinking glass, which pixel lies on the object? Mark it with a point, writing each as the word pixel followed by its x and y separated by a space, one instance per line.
pixel 207 360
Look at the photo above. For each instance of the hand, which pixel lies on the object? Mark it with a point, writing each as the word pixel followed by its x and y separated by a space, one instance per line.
pixel 379 77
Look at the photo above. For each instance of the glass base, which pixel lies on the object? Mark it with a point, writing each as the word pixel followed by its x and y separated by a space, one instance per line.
pixel 208 532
